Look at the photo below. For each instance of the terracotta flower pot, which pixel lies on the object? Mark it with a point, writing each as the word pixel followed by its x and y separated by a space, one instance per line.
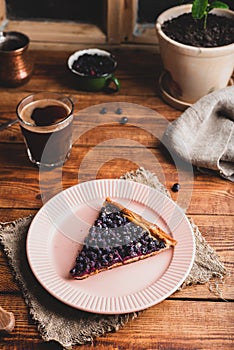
pixel 194 71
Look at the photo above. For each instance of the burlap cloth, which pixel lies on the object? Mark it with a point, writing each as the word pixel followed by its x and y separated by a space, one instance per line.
pixel 68 326
pixel 204 134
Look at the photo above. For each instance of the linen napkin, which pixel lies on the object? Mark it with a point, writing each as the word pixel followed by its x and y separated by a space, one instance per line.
pixel 69 326
pixel 204 133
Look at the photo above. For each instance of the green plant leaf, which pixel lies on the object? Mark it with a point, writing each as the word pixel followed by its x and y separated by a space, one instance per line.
pixel 199 8
pixel 218 5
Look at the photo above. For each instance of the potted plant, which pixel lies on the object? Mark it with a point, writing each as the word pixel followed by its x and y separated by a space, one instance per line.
pixel 195 69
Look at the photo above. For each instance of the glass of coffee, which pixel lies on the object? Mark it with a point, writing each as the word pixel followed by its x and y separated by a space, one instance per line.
pixel 46 124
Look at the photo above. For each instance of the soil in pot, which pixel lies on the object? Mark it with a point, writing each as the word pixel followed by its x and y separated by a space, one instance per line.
pixel 184 29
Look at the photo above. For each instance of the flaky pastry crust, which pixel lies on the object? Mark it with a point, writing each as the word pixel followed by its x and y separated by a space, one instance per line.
pixel 152 229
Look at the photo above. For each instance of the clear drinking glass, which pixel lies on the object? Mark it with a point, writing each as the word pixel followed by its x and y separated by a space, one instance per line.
pixel 46 124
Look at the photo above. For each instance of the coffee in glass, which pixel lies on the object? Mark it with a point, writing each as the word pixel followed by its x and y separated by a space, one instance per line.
pixel 46 124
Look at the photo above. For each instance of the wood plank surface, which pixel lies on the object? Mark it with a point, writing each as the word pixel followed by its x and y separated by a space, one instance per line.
pixel 191 319
pixel 107 162
pixel 172 324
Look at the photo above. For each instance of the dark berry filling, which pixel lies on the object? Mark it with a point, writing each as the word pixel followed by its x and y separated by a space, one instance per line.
pixel 113 239
pixel 94 65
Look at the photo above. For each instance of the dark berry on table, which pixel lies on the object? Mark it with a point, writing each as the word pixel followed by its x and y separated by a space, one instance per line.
pixel 123 120
pixel 103 110
pixel 175 187
pixel 118 111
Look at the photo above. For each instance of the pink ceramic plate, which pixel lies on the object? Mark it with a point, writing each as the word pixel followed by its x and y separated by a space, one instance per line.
pixel 57 231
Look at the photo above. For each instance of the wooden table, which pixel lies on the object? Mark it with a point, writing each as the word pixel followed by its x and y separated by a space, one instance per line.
pixel 193 318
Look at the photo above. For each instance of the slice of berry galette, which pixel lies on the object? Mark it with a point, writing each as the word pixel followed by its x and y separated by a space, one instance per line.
pixel 119 236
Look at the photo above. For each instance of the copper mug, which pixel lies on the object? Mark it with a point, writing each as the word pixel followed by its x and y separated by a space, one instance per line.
pixel 15 64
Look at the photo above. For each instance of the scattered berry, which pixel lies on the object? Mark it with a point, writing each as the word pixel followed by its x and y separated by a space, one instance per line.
pixel 118 111
pixel 123 120
pixel 175 187
pixel 103 110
